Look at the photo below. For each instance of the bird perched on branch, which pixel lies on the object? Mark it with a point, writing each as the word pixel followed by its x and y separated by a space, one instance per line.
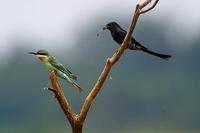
pixel 118 34
pixel 53 65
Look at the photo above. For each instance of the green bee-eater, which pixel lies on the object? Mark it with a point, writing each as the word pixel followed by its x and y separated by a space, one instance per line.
pixel 53 65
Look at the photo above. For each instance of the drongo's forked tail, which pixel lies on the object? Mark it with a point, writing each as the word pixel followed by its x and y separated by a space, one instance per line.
pixel 163 56
pixel 135 45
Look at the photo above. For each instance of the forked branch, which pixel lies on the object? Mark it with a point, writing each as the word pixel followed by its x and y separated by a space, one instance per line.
pixel 150 8
pixel 77 120
pixel 111 61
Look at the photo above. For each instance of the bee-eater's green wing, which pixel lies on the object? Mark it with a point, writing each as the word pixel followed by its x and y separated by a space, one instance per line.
pixel 63 69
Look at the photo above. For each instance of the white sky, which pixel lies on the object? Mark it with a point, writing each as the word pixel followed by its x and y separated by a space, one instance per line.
pixel 48 20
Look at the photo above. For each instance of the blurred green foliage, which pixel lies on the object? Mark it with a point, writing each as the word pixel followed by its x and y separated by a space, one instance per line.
pixel 146 94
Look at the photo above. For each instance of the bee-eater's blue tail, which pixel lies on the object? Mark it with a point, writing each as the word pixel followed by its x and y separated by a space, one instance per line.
pixel 74 84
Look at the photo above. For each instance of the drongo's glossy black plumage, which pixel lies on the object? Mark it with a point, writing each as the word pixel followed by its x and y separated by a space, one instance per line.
pixel 118 34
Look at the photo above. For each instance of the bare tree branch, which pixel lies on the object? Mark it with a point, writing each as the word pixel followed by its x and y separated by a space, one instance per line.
pixel 77 120
pixel 97 87
pixel 61 98
pixel 110 62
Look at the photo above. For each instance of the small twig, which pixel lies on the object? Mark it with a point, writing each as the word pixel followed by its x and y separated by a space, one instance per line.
pixel 150 8
pixel 52 90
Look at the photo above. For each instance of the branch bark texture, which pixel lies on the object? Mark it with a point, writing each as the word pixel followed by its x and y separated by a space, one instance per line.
pixel 77 120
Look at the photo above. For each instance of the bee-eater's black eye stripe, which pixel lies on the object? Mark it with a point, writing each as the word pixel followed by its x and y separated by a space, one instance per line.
pixel 42 53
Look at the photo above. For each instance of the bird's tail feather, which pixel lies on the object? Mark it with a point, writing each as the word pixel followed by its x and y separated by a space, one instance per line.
pixel 163 56
pixel 138 46
pixel 74 85
pixel 77 87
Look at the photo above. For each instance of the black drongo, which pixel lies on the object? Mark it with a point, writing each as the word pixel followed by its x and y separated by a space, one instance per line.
pixel 118 34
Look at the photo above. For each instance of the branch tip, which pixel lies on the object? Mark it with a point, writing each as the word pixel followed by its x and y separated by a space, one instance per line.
pixel 150 8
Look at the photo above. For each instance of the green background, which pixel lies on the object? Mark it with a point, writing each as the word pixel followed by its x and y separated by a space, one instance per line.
pixel 146 94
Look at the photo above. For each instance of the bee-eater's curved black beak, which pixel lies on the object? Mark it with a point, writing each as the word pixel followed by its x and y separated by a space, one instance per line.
pixel 32 53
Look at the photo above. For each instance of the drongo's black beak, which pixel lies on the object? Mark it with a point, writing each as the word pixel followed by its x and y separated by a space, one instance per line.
pixel 105 27
pixel 32 53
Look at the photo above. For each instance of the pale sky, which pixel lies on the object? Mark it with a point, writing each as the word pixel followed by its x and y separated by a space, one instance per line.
pixel 48 20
